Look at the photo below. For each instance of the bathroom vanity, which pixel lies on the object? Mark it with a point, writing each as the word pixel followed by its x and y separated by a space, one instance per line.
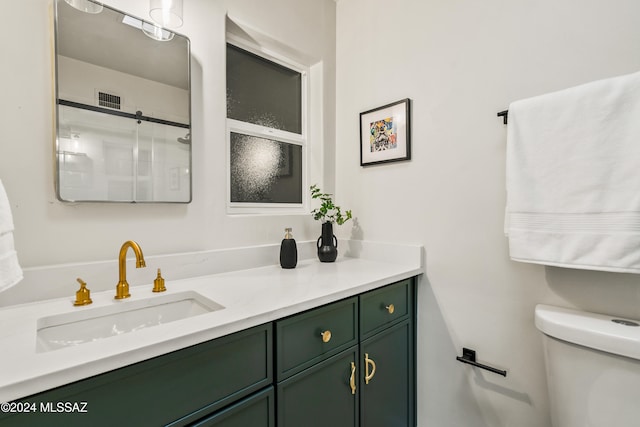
pixel 316 346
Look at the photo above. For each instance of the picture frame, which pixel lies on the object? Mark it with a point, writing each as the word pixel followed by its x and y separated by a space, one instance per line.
pixel 385 133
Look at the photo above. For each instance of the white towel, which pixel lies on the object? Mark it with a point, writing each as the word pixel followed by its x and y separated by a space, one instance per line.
pixel 573 177
pixel 10 271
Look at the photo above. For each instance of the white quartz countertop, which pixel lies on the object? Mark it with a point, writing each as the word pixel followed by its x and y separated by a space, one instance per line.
pixel 250 297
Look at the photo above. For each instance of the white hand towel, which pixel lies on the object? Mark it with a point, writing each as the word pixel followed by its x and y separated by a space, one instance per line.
pixel 10 271
pixel 573 177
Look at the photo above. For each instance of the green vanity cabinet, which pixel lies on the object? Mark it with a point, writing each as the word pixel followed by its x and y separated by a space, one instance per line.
pixel 369 384
pixel 174 389
pixel 349 363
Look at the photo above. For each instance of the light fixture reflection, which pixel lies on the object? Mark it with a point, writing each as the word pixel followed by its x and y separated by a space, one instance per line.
pixel 148 29
pixel 166 13
pixel 156 32
pixel 87 6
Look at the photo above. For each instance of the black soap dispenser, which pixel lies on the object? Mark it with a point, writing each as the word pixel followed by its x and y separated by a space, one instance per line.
pixel 288 251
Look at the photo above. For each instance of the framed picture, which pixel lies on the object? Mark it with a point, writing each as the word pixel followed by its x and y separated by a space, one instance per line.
pixel 385 134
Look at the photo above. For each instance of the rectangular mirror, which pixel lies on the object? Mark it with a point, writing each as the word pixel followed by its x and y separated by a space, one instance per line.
pixel 123 107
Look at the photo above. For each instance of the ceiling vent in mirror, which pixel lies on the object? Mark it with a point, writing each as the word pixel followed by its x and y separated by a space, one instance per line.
pixel 108 100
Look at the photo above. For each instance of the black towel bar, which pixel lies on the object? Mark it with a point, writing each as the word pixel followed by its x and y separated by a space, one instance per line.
pixel 469 356
pixel 504 114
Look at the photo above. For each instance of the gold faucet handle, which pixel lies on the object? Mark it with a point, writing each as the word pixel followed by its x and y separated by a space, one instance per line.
pixel 158 284
pixel 83 295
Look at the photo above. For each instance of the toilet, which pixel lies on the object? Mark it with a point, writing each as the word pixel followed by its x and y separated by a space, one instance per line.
pixel 593 367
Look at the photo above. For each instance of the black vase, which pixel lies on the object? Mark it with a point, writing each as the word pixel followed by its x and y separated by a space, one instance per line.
pixel 327 244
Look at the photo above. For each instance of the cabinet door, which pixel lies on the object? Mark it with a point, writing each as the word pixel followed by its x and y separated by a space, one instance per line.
pixel 387 393
pixel 322 395
pixel 254 411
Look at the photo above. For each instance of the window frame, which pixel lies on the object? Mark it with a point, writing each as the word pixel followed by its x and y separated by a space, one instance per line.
pixel 246 128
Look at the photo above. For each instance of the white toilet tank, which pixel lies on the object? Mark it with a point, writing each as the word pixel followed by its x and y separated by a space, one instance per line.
pixel 593 368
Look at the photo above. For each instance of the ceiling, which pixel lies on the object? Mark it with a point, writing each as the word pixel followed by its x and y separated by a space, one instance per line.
pixel 103 39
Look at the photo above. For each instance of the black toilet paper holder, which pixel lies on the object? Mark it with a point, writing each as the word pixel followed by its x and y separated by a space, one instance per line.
pixel 469 356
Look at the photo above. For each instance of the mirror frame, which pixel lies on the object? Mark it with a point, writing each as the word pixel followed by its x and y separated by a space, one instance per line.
pixel 137 116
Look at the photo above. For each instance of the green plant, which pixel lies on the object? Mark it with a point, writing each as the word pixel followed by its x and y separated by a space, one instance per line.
pixel 328 211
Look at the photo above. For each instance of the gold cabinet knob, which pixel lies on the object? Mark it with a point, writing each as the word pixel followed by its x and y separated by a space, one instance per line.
pixel 326 336
pixel 390 308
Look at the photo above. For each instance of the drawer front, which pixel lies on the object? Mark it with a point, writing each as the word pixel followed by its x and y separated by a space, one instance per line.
pixel 300 339
pixel 196 380
pixel 385 306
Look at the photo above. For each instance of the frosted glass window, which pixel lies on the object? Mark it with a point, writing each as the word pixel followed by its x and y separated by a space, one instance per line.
pixel 262 92
pixel 264 170
pixel 266 132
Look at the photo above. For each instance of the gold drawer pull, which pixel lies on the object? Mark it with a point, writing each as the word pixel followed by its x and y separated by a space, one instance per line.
pixel 368 376
pixel 352 380
pixel 390 308
pixel 326 336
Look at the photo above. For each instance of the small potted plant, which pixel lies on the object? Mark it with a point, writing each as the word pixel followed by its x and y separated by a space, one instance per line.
pixel 328 213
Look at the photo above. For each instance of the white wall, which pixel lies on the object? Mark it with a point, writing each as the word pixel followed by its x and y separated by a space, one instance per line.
pixel 50 232
pixel 79 81
pixel 461 62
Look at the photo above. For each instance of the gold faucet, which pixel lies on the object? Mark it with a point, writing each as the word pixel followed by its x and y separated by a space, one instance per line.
pixel 122 288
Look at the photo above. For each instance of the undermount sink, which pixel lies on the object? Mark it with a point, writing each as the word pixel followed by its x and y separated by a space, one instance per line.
pixel 75 328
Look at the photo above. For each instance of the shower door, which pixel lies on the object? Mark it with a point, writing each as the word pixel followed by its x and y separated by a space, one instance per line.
pixel 105 157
